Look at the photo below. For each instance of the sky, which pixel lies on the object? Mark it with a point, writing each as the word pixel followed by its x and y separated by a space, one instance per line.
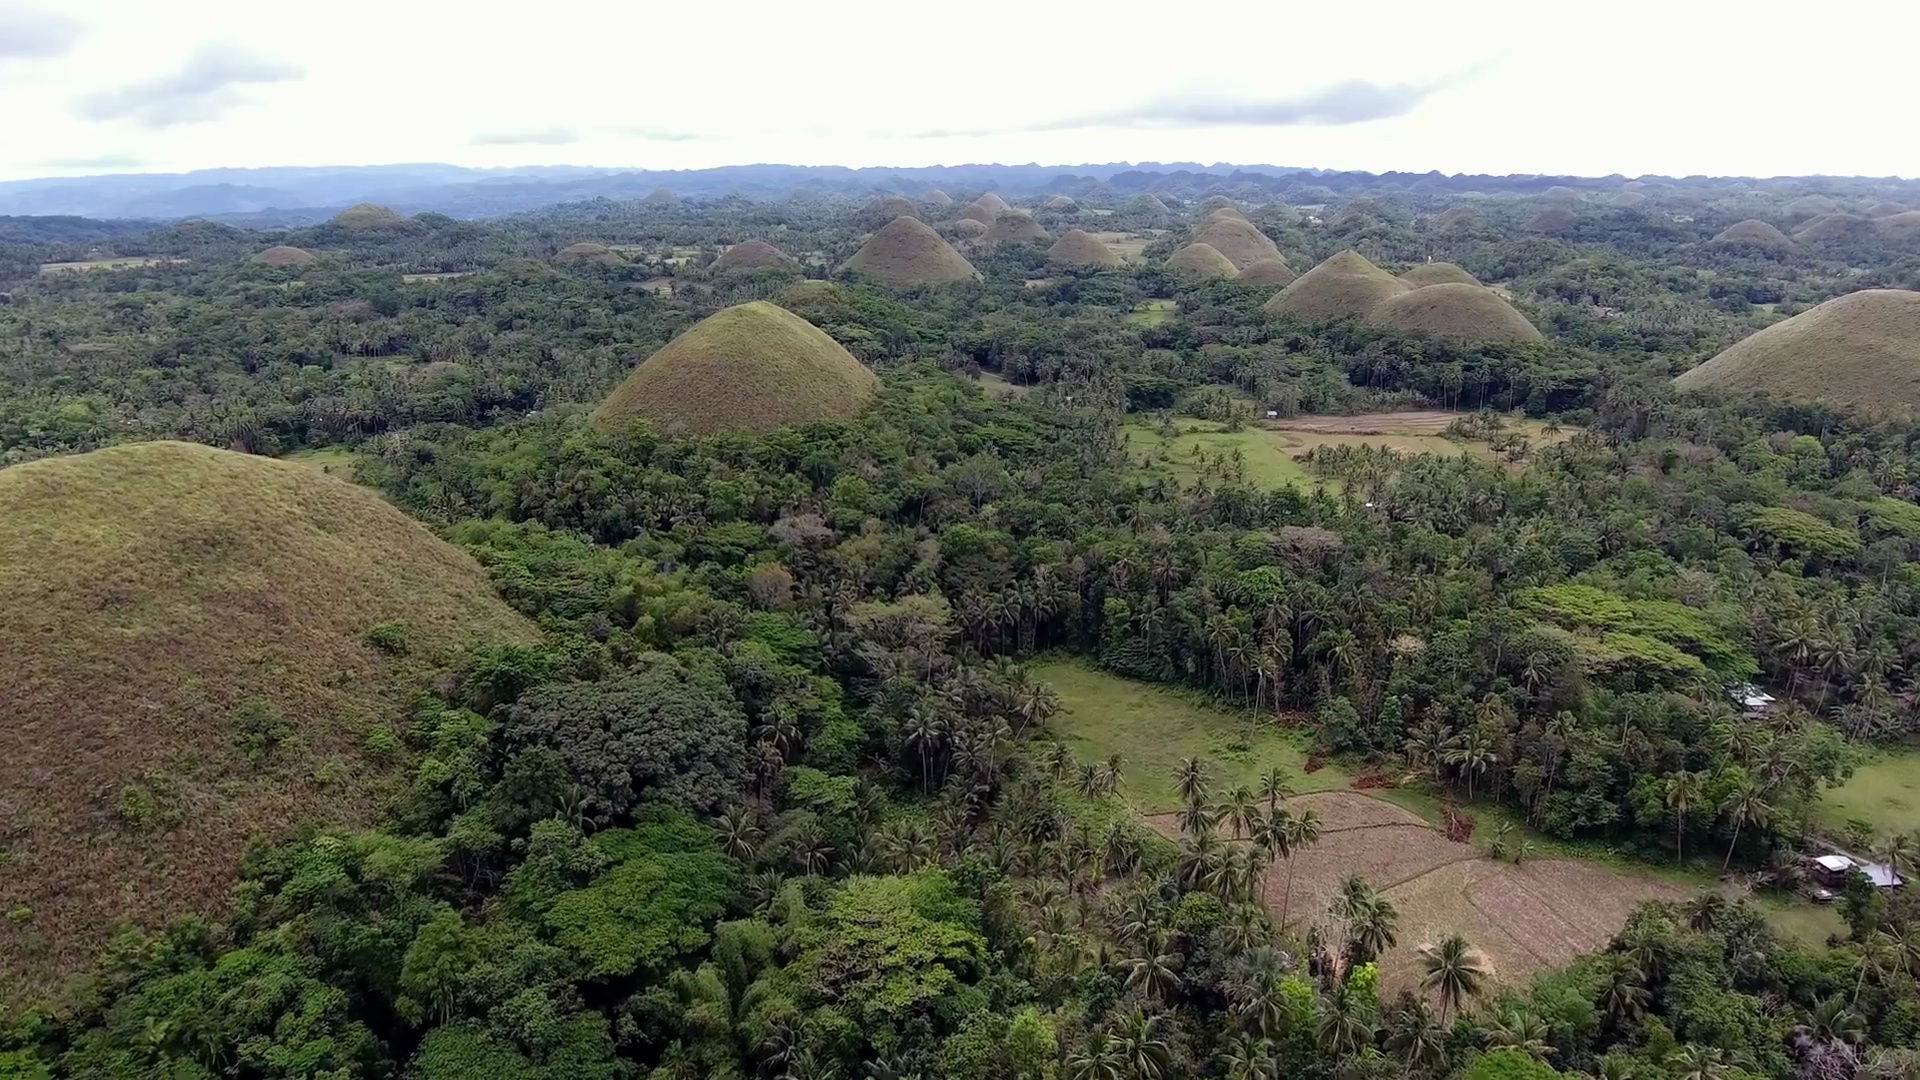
pixel 1631 87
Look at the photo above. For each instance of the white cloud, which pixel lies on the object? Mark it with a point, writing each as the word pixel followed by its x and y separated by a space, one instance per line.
pixel 206 87
pixel 29 34
pixel 1649 87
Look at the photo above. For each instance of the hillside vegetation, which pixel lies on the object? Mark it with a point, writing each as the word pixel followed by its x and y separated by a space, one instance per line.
pixel 200 644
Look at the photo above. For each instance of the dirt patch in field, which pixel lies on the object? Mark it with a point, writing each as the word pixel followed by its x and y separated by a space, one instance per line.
pixel 1421 422
pixel 1521 918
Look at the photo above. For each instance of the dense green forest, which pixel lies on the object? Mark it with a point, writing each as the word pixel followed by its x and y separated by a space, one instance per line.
pixel 776 794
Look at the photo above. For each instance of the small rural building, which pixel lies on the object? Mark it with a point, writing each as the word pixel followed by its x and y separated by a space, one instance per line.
pixel 1752 700
pixel 1831 872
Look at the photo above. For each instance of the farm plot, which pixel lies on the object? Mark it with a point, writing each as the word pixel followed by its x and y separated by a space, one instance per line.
pixel 1521 918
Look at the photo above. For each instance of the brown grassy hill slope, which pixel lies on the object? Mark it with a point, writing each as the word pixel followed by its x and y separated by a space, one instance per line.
pixel 751 255
pixel 965 228
pixel 1014 227
pixel 367 216
pixel 992 204
pixel 1437 273
pixel 284 256
pixel 1457 217
pixel 1267 272
pixel 906 252
pixel 1811 206
pixel 1862 349
pixel 587 252
pixel 1885 209
pixel 1455 311
pixel 1752 233
pixel 936 197
pixel 1077 247
pixel 1553 219
pixel 1627 200
pixel 1831 227
pixel 751 367
pixel 1345 286
pixel 1062 204
pixel 1201 260
pixel 187 664
pixel 1238 240
pixel 1904 226
pixel 660 197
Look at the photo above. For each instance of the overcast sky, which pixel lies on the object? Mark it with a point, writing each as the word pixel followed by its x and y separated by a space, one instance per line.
pixel 1678 87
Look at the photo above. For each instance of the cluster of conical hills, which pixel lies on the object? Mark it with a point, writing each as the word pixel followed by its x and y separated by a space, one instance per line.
pixel 752 367
pixel 1859 349
pixel 190 635
pixel 1438 300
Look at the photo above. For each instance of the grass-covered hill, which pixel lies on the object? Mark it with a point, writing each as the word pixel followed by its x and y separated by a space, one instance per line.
pixel 201 648
pixel 1456 312
pixel 1859 349
pixel 907 252
pixel 751 367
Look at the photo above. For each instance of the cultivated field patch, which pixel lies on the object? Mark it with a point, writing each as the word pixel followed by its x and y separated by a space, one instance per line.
pixel 1884 793
pixel 104 264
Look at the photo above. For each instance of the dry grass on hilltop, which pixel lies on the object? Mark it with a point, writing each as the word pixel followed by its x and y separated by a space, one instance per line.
pixel 1455 311
pixel 906 252
pixel 1345 286
pixel 192 661
pixel 751 367
pixel 1859 349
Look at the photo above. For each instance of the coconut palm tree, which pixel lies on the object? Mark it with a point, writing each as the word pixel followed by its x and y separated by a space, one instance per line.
pixel 739 836
pixel 1417 1038
pixel 1682 792
pixel 1240 809
pixel 1155 971
pixel 1454 970
pixel 1523 1031
pixel 1345 1024
pixel 1274 787
pixel 1303 831
pixel 1197 819
pixel 1695 1062
pixel 1833 1020
pixel 1143 1046
pixel 1099 1058
pixel 1744 805
pixel 1190 783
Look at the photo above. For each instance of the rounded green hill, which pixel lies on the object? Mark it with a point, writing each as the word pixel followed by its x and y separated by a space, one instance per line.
pixel 751 367
pixel 1014 227
pixel 965 228
pixel 1238 240
pixel 1828 227
pixel 905 253
pixel 368 216
pixel 588 253
pixel 1345 286
pixel 1553 219
pixel 660 197
pixel 1752 233
pixel 1455 311
pixel 1437 273
pixel 1271 272
pixel 1062 204
pixel 286 257
pixel 191 637
pixel 1201 260
pixel 1859 349
pixel 751 255
pixel 1077 247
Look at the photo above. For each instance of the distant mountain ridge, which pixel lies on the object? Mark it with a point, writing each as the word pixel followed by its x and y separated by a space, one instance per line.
pixel 303 195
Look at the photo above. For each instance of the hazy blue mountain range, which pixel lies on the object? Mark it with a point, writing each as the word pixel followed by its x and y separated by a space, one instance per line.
pixel 304 195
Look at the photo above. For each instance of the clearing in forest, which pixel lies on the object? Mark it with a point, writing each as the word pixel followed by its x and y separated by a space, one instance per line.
pixel 1884 793
pixel 1522 918
pixel 1129 246
pixel 1271 449
pixel 1151 313
pixel 1102 714
pixel 104 264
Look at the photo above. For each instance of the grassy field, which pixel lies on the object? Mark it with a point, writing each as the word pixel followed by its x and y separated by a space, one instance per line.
pixel 1272 448
pixel 1131 247
pixel 337 460
pixel 417 279
pixel 1152 729
pixel 1885 793
pixel 1269 460
pixel 1151 313
pixel 103 264
pixel 1563 902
